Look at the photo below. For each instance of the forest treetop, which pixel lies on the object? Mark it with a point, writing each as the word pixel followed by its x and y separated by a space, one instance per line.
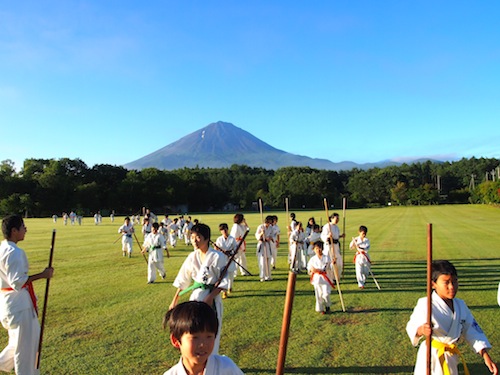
pixel 50 186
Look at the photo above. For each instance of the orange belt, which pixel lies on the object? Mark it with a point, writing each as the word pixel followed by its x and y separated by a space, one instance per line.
pixel 31 291
pixel 325 276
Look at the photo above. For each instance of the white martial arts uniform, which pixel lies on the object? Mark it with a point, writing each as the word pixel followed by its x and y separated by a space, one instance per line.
pixel 297 256
pixel 311 239
pixel 228 244
pixel 361 259
pixel 334 252
pixel 206 273
pixel 263 236
pixel 216 365
pixel 274 244
pixel 17 312
pixel 238 231
pixel 321 281
pixel 155 243
pixel 127 241
pixel 447 328
pixel 173 230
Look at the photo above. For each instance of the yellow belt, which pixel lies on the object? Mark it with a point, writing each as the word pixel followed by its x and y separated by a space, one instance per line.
pixel 451 348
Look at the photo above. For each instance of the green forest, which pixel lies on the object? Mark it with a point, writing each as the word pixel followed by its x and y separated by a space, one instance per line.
pixel 43 187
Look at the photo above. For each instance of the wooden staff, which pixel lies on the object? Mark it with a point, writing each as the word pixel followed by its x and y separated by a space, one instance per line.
pixel 287 315
pixel 344 204
pixel 46 298
pixel 288 228
pixel 332 246
pixel 229 253
pixel 121 235
pixel 229 260
pixel 285 327
pixel 428 339
pixel 140 248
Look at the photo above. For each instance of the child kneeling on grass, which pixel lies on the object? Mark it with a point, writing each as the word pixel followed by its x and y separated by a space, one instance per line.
pixel 451 319
pixel 193 327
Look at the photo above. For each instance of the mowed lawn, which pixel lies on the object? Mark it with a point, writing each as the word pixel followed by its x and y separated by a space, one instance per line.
pixel 104 319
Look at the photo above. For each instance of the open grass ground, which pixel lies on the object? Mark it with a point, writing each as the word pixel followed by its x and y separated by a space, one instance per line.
pixel 104 319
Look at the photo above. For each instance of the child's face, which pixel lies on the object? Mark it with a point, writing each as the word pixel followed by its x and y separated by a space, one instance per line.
pixel 362 234
pixel 198 241
pixel 318 251
pixel 446 286
pixel 195 348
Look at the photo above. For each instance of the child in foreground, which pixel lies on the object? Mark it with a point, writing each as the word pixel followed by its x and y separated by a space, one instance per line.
pixel 319 267
pixel 451 320
pixel 193 327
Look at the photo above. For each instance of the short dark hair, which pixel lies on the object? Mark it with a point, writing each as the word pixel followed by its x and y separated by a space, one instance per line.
pixel 11 222
pixel 223 226
pixel 156 225
pixel 190 317
pixel 362 228
pixel 442 267
pixel 318 244
pixel 201 229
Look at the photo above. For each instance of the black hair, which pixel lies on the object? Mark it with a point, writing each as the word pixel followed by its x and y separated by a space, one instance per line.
pixel 223 226
pixel 362 228
pixel 156 225
pixel 442 267
pixel 318 244
pixel 190 317
pixel 202 229
pixel 11 222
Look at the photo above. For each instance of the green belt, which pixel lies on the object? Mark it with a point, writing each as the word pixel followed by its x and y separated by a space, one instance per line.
pixel 197 285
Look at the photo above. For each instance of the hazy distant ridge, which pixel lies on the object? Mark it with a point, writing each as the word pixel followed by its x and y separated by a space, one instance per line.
pixel 222 144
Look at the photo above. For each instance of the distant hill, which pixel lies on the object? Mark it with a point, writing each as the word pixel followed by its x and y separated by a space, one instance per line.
pixel 221 144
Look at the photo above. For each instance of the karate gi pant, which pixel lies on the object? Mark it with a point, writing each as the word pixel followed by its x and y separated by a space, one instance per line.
pixel 241 258
pixel 20 352
pixel 322 290
pixel 127 244
pixel 339 262
pixel 274 253
pixel 362 269
pixel 264 259
pixel 155 264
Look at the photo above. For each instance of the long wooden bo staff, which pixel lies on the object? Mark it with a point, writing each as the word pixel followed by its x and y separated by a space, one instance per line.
pixel 45 299
pixel 140 248
pixel 229 253
pixel 428 339
pixel 334 260
pixel 229 260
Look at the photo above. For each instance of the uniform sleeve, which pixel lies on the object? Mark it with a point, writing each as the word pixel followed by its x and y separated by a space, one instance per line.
pixel 183 278
pixel 17 270
pixel 417 318
pixel 473 333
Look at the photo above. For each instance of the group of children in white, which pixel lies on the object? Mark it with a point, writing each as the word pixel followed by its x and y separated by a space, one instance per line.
pixel 195 327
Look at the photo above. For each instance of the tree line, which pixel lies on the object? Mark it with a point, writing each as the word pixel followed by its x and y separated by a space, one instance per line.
pixel 44 187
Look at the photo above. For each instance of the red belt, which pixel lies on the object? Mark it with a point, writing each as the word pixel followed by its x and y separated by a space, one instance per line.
pixel 362 252
pixel 325 276
pixel 31 291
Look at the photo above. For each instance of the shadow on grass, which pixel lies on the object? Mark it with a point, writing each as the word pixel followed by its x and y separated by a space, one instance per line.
pixel 337 370
pixel 387 370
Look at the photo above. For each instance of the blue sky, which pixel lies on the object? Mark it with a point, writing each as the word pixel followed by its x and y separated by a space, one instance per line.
pixel 111 81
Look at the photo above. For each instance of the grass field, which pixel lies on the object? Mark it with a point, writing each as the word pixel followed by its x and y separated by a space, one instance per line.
pixel 104 319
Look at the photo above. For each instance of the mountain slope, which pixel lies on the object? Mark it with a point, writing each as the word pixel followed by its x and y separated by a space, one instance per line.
pixel 220 145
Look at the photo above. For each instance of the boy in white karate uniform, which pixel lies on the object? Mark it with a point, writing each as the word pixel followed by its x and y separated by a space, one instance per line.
pixel 330 235
pixel 263 234
pixel 318 267
pixel 451 320
pixel 154 244
pixel 361 260
pixel 193 328
pixel 204 268
pixel 127 230
pixel 227 244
